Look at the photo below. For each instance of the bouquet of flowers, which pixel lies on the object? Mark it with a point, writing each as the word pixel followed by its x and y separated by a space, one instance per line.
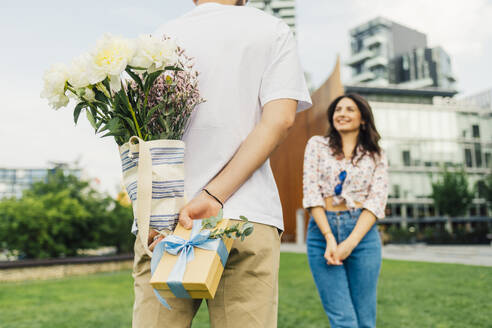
pixel 141 92
pixel 145 87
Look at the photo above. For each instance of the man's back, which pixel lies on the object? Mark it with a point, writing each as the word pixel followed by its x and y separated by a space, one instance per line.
pixel 252 82
pixel 243 56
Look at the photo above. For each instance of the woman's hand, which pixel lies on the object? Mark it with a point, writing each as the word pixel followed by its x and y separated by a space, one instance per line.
pixel 344 249
pixel 331 247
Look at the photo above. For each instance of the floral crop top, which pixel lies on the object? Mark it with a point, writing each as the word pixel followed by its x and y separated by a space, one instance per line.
pixel 366 181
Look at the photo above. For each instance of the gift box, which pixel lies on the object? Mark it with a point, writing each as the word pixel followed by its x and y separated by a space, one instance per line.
pixel 191 263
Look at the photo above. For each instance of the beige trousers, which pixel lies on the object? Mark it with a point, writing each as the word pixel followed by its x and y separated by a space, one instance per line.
pixel 247 295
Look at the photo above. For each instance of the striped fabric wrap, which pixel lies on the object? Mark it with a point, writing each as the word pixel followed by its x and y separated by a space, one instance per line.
pixel 164 176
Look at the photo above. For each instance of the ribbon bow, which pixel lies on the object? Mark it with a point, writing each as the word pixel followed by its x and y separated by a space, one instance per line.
pixel 185 248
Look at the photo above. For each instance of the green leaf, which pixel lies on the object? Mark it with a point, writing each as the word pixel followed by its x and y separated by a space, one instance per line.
pixel 120 97
pixel 149 81
pixel 91 119
pixel 248 231
pixel 106 84
pixel 100 96
pixel 140 113
pixel 137 68
pixel 130 123
pixel 173 68
pixel 135 77
pixel 104 128
pixel 77 110
pixel 152 111
pixel 116 133
pixel 99 126
pixel 114 124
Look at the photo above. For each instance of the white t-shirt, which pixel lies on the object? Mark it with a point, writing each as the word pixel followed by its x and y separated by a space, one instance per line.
pixel 245 58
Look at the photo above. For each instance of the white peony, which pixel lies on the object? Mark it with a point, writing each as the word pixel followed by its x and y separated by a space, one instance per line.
pixel 153 53
pixel 79 71
pixel 55 79
pixel 115 83
pixel 110 57
pixel 170 52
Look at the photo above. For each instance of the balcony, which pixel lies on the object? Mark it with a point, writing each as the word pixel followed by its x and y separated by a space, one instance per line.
pixel 377 61
pixel 363 77
pixel 291 21
pixel 287 12
pixel 361 56
pixel 417 84
pixel 375 39
pixel 450 77
pixel 258 5
pixel 278 4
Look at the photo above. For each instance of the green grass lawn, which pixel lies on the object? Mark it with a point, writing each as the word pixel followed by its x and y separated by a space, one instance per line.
pixel 411 294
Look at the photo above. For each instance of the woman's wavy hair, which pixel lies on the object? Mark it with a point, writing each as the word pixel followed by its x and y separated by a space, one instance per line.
pixel 368 135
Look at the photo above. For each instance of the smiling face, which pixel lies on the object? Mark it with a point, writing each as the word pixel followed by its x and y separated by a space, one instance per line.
pixel 347 116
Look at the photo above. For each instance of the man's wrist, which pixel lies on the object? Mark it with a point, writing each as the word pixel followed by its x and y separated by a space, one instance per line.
pixel 214 197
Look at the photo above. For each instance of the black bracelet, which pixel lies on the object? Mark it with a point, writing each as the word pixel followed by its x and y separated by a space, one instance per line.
pixel 208 192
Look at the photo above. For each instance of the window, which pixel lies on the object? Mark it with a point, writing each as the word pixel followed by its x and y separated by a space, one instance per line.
pixel 358 69
pixel 397 210
pixel 483 210
pixel 432 210
pixel 473 210
pixel 410 212
pixel 478 154
pixel 476 131
pixel 406 158
pixel 488 163
pixel 396 191
pixel 359 44
pixel 468 158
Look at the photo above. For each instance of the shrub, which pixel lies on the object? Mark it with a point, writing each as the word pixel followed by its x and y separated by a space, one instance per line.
pixel 57 217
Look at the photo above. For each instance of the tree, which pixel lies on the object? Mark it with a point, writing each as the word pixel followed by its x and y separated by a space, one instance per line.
pixel 58 217
pixel 451 194
pixel 484 189
pixel 115 230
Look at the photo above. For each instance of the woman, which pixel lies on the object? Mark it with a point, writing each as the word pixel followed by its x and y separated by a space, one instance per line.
pixel 345 190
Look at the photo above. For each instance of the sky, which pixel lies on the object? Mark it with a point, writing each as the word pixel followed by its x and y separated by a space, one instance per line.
pixel 36 34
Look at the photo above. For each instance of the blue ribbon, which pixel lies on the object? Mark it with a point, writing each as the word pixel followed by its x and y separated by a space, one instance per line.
pixel 185 248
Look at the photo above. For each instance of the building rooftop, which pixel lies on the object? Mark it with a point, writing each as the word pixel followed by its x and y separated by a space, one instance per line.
pixel 375 22
pixel 400 91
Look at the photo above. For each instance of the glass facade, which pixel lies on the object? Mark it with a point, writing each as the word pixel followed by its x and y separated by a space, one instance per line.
pixel 13 181
pixel 420 139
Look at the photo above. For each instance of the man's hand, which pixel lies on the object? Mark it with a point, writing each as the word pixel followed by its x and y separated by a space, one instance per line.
pixel 154 239
pixel 201 207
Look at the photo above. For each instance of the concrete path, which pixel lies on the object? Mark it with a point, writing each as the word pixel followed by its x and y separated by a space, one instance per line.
pixel 470 255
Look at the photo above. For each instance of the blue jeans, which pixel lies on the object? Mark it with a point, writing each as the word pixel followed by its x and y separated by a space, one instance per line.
pixel 348 291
